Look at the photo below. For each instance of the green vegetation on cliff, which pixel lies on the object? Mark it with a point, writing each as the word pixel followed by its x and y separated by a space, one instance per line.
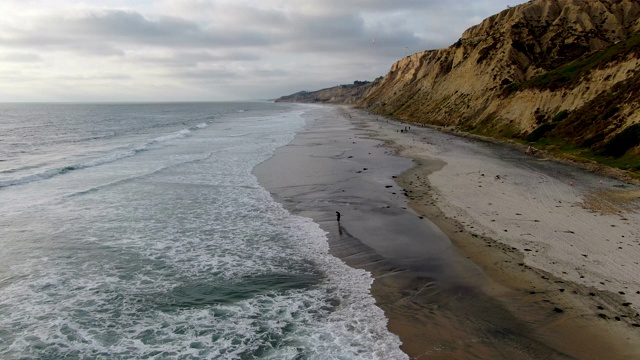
pixel 568 75
pixel 596 130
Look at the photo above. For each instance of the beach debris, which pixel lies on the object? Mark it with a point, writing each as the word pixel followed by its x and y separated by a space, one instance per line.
pixel 388 186
pixel 558 310
pixel 570 183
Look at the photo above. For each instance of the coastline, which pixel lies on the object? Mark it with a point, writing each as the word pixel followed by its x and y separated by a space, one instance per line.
pixel 481 297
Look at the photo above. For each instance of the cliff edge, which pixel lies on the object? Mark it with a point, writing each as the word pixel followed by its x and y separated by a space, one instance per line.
pixel 559 74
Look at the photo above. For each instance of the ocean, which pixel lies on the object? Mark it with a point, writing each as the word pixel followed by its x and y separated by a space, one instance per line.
pixel 139 231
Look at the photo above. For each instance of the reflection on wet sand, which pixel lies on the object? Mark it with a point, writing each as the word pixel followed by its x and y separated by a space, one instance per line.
pixel 448 293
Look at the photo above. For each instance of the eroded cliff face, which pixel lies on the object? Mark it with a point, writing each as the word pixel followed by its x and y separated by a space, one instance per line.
pixel 539 64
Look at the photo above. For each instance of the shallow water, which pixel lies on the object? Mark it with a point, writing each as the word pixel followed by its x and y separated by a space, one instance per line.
pixel 139 231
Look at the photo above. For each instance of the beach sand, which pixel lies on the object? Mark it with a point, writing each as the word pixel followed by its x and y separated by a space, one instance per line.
pixel 478 250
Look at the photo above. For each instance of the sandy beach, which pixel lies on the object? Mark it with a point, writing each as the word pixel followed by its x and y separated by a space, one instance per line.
pixel 477 250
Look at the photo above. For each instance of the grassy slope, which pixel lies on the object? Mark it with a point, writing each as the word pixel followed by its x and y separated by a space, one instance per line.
pixel 587 132
pixel 568 75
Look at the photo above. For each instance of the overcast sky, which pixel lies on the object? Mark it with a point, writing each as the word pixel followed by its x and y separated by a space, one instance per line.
pixel 214 50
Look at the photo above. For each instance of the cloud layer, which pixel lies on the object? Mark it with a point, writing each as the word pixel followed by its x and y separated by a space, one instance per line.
pixel 188 50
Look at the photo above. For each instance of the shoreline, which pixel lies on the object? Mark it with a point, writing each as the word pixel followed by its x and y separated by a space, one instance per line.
pixel 581 163
pixel 482 298
pixel 591 305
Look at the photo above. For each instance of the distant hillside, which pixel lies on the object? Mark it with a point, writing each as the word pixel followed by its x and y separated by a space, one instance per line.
pixel 342 94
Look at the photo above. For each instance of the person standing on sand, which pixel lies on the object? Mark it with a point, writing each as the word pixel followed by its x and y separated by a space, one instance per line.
pixel 338 215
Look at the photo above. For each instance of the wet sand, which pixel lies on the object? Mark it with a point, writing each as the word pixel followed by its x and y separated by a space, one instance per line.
pixel 450 283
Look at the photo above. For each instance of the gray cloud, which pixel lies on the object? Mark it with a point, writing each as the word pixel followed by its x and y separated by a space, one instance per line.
pixel 108 32
pixel 205 75
pixel 94 77
pixel 272 46
pixel 21 57
pixel 195 58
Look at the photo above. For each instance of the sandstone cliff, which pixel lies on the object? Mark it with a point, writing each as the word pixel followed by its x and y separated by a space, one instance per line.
pixel 559 73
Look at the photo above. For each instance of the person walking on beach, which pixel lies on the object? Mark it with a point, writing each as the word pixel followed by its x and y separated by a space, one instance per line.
pixel 338 215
